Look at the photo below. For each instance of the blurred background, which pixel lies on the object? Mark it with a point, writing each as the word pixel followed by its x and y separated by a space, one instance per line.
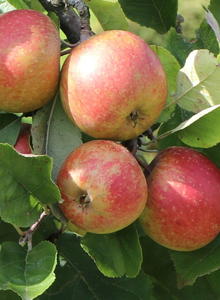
pixel 193 14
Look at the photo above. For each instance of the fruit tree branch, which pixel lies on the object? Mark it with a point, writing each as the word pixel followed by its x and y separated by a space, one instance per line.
pixel 69 20
pixel 83 11
pixel 75 26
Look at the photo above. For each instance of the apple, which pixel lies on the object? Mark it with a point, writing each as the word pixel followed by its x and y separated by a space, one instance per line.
pixel 29 60
pixel 183 208
pixel 22 144
pixel 113 86
pixel 102 186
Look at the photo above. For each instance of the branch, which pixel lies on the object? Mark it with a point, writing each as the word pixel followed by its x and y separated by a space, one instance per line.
pixel 131 145
pixel 144 165
pixel 83 11
pixel 69 20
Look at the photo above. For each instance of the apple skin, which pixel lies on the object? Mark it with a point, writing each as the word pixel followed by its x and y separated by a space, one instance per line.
pixel 183 208
pixel 113 86
pixel 102 186
pixel 29 60
pixel 22 144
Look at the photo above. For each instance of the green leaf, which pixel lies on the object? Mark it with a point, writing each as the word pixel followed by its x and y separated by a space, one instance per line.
pixel 124 255
pixel 109 14
pixel 157 14
pixel 25 180
pixel 214 8
pixel 213 154
pixel 198 82
pixel 47 230
pixel 10 132
pixel 5 6
pixel 78 278
pixel 39 129
pixel 157 264
pixel 6 119
pixel 19 4
pixel 10 126
pixel 7 233
pixel 166 135
pixel 178 45
pixel 204 131
pixel 28 274
pixel 213 279
pixel 62 136
pixel 201 130
pixel 54 134
pixel 171 68
pixel 201 290
pixel 211 20
pixel 191 265
pixel 9 295
pixel 35 4
pixel 206 39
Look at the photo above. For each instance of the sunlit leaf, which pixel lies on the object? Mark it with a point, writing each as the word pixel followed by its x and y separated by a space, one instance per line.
pixel 28 273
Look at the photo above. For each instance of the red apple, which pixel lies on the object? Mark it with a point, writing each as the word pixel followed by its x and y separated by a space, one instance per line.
pixel 113 86
pixel 22 144
pixel 183 208
pixel 29 60
pixel 102 186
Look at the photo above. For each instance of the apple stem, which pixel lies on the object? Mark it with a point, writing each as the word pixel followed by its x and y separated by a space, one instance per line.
pixel 149 134
pixel 144 165
pixel 132 145
pixel 65 44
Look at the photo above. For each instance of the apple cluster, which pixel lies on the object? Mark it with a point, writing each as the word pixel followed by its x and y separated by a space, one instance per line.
pixel 113 87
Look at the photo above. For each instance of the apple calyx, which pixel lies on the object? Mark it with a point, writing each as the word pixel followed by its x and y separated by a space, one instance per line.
pixel 134 115
pixel 84 200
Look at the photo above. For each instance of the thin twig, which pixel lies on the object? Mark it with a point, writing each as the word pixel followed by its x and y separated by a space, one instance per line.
pixel 149 134
pixel 149 150
pixel 27 238
pixel 131 145
pixel 144 165
pixel 69 45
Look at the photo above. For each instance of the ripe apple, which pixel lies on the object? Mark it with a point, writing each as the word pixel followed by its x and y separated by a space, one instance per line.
pixel 102 186
pixel 113 86
pixel 22 144
pixel 183 208
pixel 29 60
